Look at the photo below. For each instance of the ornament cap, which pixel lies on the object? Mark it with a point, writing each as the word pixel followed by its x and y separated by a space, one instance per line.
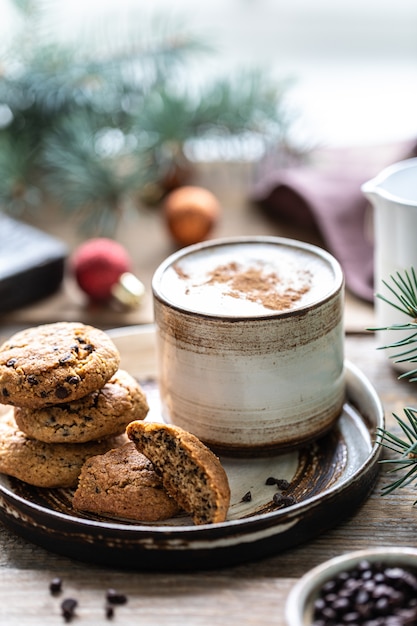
pixel 128 290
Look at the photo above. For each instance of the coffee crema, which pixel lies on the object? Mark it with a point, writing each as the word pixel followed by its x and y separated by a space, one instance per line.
pixel 247 280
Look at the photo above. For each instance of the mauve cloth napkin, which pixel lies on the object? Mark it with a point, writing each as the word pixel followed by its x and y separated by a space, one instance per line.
pixel 330 201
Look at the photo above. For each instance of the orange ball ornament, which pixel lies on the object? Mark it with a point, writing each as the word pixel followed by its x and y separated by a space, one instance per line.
pixel 191 213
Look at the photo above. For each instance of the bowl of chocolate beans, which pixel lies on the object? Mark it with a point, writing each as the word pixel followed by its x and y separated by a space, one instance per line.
pixel 372 587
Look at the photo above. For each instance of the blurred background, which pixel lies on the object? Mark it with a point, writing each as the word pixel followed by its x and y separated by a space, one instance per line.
pixel 108 106
pixel 353 62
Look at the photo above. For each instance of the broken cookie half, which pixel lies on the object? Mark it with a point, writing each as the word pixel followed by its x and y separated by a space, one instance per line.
pixel 190 472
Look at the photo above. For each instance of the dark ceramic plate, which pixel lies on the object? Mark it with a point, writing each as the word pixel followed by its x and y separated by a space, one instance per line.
pixel 329 479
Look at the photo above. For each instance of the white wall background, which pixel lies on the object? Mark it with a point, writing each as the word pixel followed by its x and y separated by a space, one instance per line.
pixel 354 61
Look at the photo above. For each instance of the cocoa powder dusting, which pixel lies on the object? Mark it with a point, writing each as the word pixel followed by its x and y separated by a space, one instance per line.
pixel 258 286
pixel 180 272
pixel 223 273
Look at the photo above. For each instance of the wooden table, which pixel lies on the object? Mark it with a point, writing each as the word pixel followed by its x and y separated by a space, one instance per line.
pixel 250 594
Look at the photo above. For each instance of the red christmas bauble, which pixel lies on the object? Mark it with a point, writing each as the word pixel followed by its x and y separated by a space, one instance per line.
pixel 98 265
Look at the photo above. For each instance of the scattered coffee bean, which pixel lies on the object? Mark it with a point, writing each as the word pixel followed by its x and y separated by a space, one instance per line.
pixel 55 586
pixel 114 597
pixel 247 497
pixel 370 594
pixel 68 607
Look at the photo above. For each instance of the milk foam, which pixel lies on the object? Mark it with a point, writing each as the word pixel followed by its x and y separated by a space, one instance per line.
pixel 247 279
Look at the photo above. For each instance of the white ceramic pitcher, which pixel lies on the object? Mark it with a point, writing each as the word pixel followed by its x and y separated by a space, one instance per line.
pixel 393 194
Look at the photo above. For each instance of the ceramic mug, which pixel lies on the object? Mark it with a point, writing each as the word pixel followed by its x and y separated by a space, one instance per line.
pixel 250 342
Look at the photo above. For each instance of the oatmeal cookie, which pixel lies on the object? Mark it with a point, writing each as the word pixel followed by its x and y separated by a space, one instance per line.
pixel 99 414
pixel 190 472
pixel 122 483
pixel 55 363
pixel 45 464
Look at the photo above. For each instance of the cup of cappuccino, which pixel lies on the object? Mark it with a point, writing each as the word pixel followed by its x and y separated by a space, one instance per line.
pixel 250 341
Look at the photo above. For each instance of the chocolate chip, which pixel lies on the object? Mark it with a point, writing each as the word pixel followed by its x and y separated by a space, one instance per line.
pixel 114 597
pixel 62 392
pixel 73 380
pixel 368 594
pixel 270 481
pixel 11 362
pixel 68 607
pixel 282 501
pixel 281 483
pixel 55 586
pixel 65 358
pixel 247 497
pixel 32 380
pixel 109 611
pixel 5 392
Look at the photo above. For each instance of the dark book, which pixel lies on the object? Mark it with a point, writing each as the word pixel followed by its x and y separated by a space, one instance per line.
pixel 32 264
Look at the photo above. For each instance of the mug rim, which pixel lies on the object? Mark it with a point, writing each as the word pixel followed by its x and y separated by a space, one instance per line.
pixel 336 286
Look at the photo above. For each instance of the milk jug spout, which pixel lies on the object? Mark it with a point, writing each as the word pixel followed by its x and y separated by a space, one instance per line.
pixel 395 185
pixel 370 190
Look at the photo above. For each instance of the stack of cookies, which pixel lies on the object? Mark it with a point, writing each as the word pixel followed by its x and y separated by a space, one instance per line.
pixel 66 401
pixel 73 418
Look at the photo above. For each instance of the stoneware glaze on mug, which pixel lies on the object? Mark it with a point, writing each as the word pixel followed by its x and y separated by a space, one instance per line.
pixel 250 342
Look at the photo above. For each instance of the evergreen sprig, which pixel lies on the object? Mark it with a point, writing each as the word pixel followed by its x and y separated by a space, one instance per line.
pixel 404 292
pixel 91 180
pixel 405 447
pixel 63 99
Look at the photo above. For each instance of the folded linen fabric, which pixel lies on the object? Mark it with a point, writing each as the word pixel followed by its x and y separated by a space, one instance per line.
pixel 329 200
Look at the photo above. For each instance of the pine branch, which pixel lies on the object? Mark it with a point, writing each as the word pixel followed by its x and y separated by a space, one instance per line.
pixel 18 191
pixel 405 448
pixel 66 103
pixel 404 292
pixel 82 179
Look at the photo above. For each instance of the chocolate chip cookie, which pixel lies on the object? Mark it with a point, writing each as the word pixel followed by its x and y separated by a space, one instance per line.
pixel 122 483
pixel 55 363
pixel 189 471
pixel 45 464
pixel 99 414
